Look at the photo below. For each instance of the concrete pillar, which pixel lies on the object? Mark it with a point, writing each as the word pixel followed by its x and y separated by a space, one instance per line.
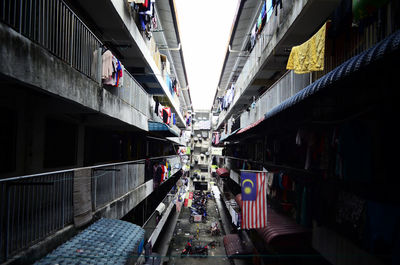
pixel 80 156
pixel 35 130
pixel 82 197
pixel 21 146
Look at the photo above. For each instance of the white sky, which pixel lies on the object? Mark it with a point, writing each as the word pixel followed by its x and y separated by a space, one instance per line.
pixel 205 27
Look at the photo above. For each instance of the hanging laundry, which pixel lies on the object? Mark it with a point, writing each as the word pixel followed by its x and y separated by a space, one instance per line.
pixel 160 110
pixel 261 18
pixel 158 174
pixel 121 77
pixel 112 71
pixel 147 8
pixel 154 24
pixel 118 72
pixel 163 170
pixel 188 120
pixel 142 22
pixel 174 85
pixel 166 115
pixel 173 118
pixel 107 63
pixel 253 36
pixel 169 170
pixel 310 55
pixel 156 106
pixel 269 9
pixel 276 3
pixel 169 83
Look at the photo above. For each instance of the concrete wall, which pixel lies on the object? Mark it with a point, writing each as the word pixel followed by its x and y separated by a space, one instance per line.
pixel 34 66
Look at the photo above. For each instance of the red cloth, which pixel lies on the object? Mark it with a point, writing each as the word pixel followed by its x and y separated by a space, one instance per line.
pixel 286 182
pixel 167 111
pixel 223 172
pixel 163 173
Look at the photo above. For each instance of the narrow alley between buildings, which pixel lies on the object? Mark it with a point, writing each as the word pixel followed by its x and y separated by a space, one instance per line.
pixel 125 139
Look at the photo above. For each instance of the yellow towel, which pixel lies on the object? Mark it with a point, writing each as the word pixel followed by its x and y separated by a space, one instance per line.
pixel 309 56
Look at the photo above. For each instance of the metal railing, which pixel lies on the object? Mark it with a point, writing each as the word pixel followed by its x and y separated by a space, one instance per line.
pixel 288 85
pixel 152 223
pixel 53 25
pixel 132 93
pixel 110 182
pixel 252 64
pixel 35 206
pixel 139 99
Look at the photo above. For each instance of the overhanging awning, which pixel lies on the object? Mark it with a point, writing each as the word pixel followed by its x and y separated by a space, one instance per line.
pixel 281 230
pixel 162 129
pixel 222 172
pixel 175 140
pixel 350 67
pixel 229 135
pixel 254 124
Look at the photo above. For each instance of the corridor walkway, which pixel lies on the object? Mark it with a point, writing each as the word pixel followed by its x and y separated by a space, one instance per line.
pixel 198 234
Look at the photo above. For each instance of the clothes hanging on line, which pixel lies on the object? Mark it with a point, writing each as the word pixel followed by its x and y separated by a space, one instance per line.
pixel 310 55
pixel 166 115
pixel 174 119
pixel 108 68
pixel 112 71
pixel 156 107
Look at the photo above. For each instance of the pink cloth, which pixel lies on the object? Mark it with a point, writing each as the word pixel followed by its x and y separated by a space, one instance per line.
pixel 108 69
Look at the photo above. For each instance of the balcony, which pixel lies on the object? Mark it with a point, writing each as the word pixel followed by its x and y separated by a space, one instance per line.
pixel 288 85
pixel 36 206
pixel 52 49
pixel 294 24
pixel 118 28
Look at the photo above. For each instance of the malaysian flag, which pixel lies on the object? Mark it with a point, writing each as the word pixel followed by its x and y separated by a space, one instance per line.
pixel 254 198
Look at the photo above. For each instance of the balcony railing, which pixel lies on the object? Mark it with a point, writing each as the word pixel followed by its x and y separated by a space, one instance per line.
pixel 35 206
pixel 53 25
pixel 110 182
pixel 288 85
pixel 133 94
pixel 153 226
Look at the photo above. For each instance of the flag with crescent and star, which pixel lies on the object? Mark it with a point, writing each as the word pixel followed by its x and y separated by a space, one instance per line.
pixel 254 197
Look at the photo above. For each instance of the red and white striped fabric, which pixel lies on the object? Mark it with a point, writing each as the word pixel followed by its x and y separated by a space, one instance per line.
pixel 254 212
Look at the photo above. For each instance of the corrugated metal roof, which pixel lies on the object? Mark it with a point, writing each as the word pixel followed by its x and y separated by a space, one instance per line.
pixel 229 135
pixel 107 241
pixel 254 124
